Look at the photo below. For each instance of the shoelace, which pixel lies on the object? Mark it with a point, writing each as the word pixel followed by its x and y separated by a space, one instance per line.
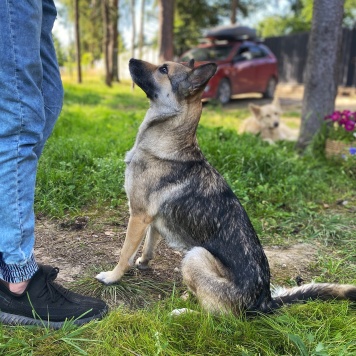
pixel 54 290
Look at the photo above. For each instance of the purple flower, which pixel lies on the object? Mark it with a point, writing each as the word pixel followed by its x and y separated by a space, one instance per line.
pixel 343 120
pixel 352 150
pixel 346 122
pixel 349 125
pixel 335 116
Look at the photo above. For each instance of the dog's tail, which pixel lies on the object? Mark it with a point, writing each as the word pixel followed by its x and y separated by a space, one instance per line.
pixel 312 291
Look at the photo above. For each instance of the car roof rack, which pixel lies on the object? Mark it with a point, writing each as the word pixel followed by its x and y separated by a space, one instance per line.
pixel 231 33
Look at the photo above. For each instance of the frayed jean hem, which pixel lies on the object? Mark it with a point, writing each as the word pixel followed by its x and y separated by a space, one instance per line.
pixel 13 273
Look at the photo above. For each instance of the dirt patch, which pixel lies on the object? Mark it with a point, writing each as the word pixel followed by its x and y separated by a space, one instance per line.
pixel 288 263
pixel 78 249
pixel 81 249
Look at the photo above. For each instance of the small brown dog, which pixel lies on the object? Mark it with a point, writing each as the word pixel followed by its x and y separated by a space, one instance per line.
pixel 266 122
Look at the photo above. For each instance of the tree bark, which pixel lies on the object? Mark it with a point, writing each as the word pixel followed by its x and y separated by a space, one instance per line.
pixel 234 4
pixel 140 35
pixel 114 44
pixel 106 40
pixel 166 18
pixel 77 40
pixel 322 68
pixel 133 33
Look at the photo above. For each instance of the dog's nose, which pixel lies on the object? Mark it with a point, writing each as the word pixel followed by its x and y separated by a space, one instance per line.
pixel 276 124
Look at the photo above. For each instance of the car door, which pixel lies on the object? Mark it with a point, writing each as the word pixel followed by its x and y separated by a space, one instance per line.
pixel 243 74
pixel 262 68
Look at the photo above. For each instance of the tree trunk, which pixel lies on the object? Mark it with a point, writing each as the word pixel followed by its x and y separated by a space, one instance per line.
pixel 77 41
pixel 322 68
pixel 133 33
pixel 114 45
pixel 106 41
pixel 140 35
pixel 166 17
pixel 234 4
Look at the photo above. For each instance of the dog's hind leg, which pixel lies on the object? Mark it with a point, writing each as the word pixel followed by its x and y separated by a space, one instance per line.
pixel 135 232
pixel 152 240
pixel 208 279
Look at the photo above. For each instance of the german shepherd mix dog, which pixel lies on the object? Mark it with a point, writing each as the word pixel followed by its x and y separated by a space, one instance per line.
pixel 176 194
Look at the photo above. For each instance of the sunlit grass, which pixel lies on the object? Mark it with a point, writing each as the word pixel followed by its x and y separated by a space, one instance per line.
pixel 327 328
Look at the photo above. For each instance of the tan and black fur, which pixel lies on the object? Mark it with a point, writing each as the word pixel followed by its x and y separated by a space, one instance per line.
pixel 176 194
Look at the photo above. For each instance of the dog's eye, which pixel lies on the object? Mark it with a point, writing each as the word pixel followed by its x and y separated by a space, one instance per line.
pixel 268 115
pixel 163 69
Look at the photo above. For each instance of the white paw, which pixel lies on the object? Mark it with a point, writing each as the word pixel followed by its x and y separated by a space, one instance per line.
pixel 107 277
pixel 177 312
pixel 141 265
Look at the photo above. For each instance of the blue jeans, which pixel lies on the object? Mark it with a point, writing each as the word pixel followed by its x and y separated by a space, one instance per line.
pixel 31 97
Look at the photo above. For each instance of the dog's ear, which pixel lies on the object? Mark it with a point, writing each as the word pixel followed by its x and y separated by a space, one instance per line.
pixel 276 102
pixel 256 110
pixel 199 77
pixel 191 63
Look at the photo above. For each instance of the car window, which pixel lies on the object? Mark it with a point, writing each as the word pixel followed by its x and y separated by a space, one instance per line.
pixel 248 52
pixel 243 54
pixel 207 53
pixel 264 51
pixel 257 52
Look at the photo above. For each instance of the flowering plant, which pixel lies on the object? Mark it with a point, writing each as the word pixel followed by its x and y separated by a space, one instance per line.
pixel 343 125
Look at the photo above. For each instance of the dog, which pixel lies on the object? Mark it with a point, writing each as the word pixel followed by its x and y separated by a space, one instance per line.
pixel 266 122
pixel 175 194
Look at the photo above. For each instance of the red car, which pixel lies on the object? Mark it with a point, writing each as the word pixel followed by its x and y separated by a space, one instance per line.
pixel 244 66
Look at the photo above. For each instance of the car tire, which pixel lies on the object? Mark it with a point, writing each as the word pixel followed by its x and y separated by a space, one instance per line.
pixel 270 88
pixel 224 92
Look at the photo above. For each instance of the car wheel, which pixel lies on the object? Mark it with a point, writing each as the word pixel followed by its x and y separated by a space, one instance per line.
pixel 270 88
pixel 224 91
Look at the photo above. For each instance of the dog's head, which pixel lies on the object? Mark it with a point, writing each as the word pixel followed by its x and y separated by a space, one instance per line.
pixel 268 115
pixel 171 83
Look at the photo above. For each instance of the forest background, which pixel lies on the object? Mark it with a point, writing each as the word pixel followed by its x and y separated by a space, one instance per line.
pixel 91 33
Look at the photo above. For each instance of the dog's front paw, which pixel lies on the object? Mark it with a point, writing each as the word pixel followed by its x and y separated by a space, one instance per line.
pixel 107 277
pixel 178 312
pixel 141 264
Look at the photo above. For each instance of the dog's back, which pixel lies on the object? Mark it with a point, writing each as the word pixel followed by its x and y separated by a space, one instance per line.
pixel 225 265
pixel 205 213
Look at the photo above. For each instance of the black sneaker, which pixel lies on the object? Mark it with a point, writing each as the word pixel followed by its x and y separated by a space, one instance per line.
pixel 46 303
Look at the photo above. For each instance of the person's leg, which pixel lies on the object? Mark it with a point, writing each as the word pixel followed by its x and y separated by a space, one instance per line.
pixel 52 88
pixel 22 120
pixel 30 101
pixel 50 96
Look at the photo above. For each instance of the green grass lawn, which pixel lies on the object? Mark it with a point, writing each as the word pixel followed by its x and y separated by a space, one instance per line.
pixel 288 198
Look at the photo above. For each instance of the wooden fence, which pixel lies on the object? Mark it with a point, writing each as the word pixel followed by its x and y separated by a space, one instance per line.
pixel 291 52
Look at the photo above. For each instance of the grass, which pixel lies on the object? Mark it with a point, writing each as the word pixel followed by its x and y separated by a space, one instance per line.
pixel 327 328
pixel 289 199
pixel 132 292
